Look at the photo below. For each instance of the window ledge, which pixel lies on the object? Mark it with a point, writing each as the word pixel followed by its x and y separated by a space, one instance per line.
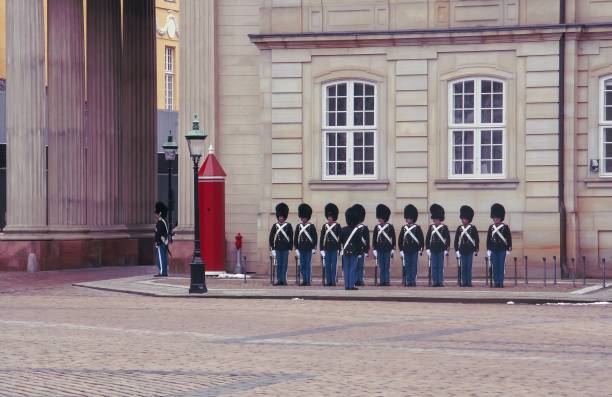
pixel 604 182
pixel 476 184
pixel 366 185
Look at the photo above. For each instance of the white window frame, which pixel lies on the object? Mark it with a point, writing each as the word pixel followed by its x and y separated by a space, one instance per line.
pixel 603 124
pixel 350 129
pixel 477 126
pixel 169 77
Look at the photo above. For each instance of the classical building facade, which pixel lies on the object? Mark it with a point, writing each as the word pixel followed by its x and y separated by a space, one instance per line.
pixel 363 101
pixel 410 101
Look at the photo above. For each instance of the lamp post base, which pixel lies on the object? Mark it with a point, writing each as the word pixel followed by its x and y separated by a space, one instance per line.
pixel 198 281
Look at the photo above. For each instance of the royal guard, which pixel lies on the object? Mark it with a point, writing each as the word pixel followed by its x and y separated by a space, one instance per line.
pixel 329 243
pixel 365 240
pixel 411 242
pixel 162 234
pixel 466 244
pixel 352 246
pixel 499 244
pixel 383 242
pixel 437 242
pixel 305 242
pixel 281 242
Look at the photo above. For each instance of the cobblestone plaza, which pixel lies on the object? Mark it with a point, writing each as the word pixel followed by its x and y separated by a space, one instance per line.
pixel 61 340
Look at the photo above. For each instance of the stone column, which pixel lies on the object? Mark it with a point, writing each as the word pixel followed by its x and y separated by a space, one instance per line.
pixel 103 112
pixel 197 91
pixel 138 114
pixel 25 116
pixel 66 100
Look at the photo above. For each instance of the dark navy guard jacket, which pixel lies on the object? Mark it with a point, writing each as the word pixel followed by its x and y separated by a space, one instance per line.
pixel 433 241
pixel 327 241
pixel 379 241
pixel 495 242
pixel 302 242
pixel 355 245
pixel 406 243
pixel 463 244
pixel 278 241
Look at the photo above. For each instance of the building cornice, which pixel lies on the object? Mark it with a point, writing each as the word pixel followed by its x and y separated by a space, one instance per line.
pixel 389 38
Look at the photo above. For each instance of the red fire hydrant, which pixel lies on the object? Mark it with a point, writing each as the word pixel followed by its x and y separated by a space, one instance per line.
pixel 238 244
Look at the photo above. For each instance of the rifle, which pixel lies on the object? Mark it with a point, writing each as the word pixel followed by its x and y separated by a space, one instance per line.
pixel 459 272
pixel 404 282
pixel 429 268
pixel 375 270
pixel 297 271
pixel 322 270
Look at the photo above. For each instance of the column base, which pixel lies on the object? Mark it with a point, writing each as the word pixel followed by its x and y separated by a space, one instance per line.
pixel 61 250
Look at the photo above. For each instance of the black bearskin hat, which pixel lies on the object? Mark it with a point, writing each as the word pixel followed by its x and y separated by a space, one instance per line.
pixel 466 212
pixel 498 211
pixel 360 212
pixel 437 212
pixel 282 209
pixel 331 211
pixel 161 209
pixel 304 211
pixel 410 211
pixel 352 216
pixel 383 212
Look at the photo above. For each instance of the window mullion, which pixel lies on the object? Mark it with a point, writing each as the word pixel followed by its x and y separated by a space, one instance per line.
pixel 477 143
pixel 349 154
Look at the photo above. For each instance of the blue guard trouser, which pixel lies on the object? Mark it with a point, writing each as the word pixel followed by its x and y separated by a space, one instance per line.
pixel 466 269
pixel 360 270
pixel 305 261
pixel 437 268
pixel 384 264
pixel 162 259
pixel 498 260
pixel 411 260
pixel 282 258
pixel 331 264
pixel 349 264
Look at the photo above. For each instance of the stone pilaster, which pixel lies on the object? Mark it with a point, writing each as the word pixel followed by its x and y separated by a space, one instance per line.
pixel 25 113
pixel 103 112
pixel 197 90
pixel 66 104
pixel 138 114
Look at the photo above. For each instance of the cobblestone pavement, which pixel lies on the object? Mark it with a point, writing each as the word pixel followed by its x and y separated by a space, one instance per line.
pixel 65 341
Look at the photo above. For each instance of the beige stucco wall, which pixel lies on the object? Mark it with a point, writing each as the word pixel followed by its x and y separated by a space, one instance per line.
pixel 163 10
pixel 268 127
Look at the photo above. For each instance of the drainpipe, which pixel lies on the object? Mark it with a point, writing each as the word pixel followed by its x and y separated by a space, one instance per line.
pixel 562 210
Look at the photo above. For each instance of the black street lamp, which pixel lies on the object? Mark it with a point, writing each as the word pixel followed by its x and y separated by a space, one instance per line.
pixel 170 149
pixel 195 142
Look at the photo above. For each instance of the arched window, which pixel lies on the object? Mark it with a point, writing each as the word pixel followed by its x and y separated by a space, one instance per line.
pixel 477 128
pixel 349 130
pixel 605 127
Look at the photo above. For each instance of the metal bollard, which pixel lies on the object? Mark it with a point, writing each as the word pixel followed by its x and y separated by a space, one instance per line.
pixel 244 267
pixel 574 272
pixel 526 273
pixel 584 270
pixel 603 260
pixel 544 260
pixel 515 272
pixel 554 270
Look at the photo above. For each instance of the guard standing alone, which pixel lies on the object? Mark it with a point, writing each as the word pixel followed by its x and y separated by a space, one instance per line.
pixel 161 239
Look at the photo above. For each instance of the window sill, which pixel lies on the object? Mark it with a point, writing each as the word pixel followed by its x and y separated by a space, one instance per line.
pixel 476 184
pixel 603 182
pixel 366 185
